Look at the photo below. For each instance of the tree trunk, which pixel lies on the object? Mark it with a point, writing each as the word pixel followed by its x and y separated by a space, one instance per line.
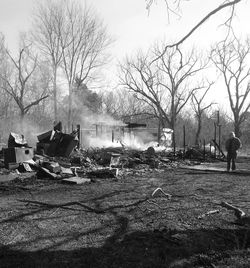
pixel 172 126
pixel 159 130
pixel 22 114
pixel 237 130
pixel 198 132
pixel 70 108
pixel 174 142
pixel 237 125
pixel 55 93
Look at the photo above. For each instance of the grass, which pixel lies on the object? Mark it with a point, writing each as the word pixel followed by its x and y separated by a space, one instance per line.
pixel 134 230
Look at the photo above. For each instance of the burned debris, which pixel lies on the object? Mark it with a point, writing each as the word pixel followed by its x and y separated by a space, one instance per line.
pixel 144 186
pixel 58 155
pixel 18 152
pixel 56 143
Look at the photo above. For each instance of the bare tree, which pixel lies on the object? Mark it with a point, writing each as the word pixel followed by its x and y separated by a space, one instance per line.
pixel 47 23
pixel 83 40
pixel 124 105
pixel 231 58
pixel 17 76
pixel 164 85
pixel 200 108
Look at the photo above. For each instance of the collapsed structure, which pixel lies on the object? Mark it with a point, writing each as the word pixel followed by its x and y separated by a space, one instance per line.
pixel 56 143
pixel 58 155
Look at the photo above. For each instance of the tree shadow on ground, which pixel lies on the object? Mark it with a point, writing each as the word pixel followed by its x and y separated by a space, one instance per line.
pixel 165 248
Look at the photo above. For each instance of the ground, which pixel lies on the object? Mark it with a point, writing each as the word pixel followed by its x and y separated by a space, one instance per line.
pixel 117 223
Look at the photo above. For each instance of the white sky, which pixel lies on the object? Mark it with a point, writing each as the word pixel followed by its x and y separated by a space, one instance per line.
pixel 131 26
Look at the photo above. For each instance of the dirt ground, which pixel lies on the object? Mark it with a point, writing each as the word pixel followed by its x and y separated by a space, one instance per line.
pixel 117 223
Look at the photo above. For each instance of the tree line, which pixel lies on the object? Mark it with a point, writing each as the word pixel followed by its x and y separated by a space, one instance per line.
pixel 47 79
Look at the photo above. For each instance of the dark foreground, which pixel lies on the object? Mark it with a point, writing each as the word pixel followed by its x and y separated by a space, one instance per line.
pixel 116 223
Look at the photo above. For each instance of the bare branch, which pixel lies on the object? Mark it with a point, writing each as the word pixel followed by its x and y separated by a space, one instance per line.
pixel 226 4
pixel 36 102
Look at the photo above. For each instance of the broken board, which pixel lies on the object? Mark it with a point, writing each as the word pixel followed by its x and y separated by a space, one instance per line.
pixel 76 180
pixel 49 174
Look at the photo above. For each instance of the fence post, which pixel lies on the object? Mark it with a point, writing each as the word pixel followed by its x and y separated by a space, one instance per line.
pixel 78 127
pixel 219 139
pixel 204 149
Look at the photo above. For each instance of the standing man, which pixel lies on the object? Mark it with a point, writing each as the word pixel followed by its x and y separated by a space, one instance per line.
pixel 232 145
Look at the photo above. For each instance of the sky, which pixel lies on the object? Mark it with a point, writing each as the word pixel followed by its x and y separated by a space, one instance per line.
pixel 132 27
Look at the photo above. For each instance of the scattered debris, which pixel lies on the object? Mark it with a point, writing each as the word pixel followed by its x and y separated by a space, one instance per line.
pixel 44 172
pixel 66 171
pixel 103 173
pixel 211 212
pixel 57 156
pixel 16 140
pixel 76 180
pixel 240 214
pixel 194 153
pixel 157 190
pixel 8 176
pixel 17 155
pixel 115 160
pixel 151 151
pixel 24 167
pixel 53 167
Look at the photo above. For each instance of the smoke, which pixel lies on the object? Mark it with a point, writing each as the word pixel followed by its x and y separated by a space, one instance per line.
pixel 128 141
pixel 104 131
pixel 137 142
pixel 99 142
pixel 91 119
pixel 30 132
pixel 27 128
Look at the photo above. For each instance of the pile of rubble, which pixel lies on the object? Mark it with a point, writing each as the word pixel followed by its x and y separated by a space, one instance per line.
pixel 57 156
pixel 19 158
